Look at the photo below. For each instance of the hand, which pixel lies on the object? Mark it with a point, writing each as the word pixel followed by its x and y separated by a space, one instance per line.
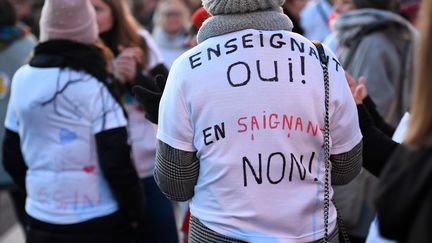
pixel 148 93
pixel 126 64
pixel 358 90
pixel 134 52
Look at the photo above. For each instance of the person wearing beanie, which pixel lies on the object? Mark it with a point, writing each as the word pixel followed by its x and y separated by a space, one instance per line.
pixel 66 141
pixel 138 61
pixel 74 25
pixel 241 129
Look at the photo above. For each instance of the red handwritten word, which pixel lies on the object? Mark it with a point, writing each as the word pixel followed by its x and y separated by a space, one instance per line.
pixel 277 121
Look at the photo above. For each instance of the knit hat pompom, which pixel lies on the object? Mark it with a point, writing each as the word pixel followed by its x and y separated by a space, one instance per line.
pixel 219 7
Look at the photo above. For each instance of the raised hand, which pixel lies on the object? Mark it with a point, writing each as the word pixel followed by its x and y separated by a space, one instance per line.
pixel 358 89
pixel 148 93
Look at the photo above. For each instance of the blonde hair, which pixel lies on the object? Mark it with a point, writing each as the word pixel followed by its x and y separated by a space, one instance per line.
pixel 419 132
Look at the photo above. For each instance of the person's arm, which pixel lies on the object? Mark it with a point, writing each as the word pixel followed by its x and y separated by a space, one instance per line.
pixel 346 139
pixel 346 166
pixel 148 88
pixel 176 172
pixel 148 91
pixel 378 120
pixel 13 160
pixel 177 165
pixel 119 171
pixel 377 146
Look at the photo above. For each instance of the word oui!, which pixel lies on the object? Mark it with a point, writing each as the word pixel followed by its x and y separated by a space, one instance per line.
pixel 239 73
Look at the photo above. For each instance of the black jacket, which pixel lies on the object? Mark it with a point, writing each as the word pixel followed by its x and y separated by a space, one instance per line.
pixel 378 145
pixel 404 199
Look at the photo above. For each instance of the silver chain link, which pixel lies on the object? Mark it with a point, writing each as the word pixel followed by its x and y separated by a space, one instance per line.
pixel 326 152
pixel 324 64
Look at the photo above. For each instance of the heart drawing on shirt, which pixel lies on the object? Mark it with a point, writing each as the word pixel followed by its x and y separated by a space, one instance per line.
pixel 89 169
pixel 66 136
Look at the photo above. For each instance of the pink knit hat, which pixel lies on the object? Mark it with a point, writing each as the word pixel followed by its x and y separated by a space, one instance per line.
pixel 73 20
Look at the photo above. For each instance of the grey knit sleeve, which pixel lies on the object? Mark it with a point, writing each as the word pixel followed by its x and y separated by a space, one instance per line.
pixel 346 166
pixel 176 172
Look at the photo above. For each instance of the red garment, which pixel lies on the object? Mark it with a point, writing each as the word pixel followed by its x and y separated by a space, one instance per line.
pixel 198 17
pixel 185 225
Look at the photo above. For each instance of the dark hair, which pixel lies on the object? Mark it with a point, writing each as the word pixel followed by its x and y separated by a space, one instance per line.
pixel 391 5
pixel 125 30
pixel 7 13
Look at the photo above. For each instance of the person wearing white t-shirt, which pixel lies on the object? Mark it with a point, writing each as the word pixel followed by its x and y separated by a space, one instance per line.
pixel 138 61
pixel 240 129
pixel 66 136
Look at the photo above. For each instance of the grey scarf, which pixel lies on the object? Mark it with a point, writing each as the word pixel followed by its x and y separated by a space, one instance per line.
pixel 272 19
pixel 348 25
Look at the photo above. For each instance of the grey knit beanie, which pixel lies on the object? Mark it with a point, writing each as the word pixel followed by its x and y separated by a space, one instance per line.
pixel 233 15
pixel 218 7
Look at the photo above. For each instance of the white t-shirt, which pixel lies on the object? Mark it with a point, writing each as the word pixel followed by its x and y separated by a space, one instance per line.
pixel 142 137
pixel 142 133
pixel 251 104
pixel 57 113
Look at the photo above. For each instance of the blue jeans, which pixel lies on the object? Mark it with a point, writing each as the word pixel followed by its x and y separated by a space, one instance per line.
pixel 160 225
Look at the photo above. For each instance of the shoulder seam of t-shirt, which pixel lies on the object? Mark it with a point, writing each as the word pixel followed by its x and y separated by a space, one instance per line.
pixel 175 143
